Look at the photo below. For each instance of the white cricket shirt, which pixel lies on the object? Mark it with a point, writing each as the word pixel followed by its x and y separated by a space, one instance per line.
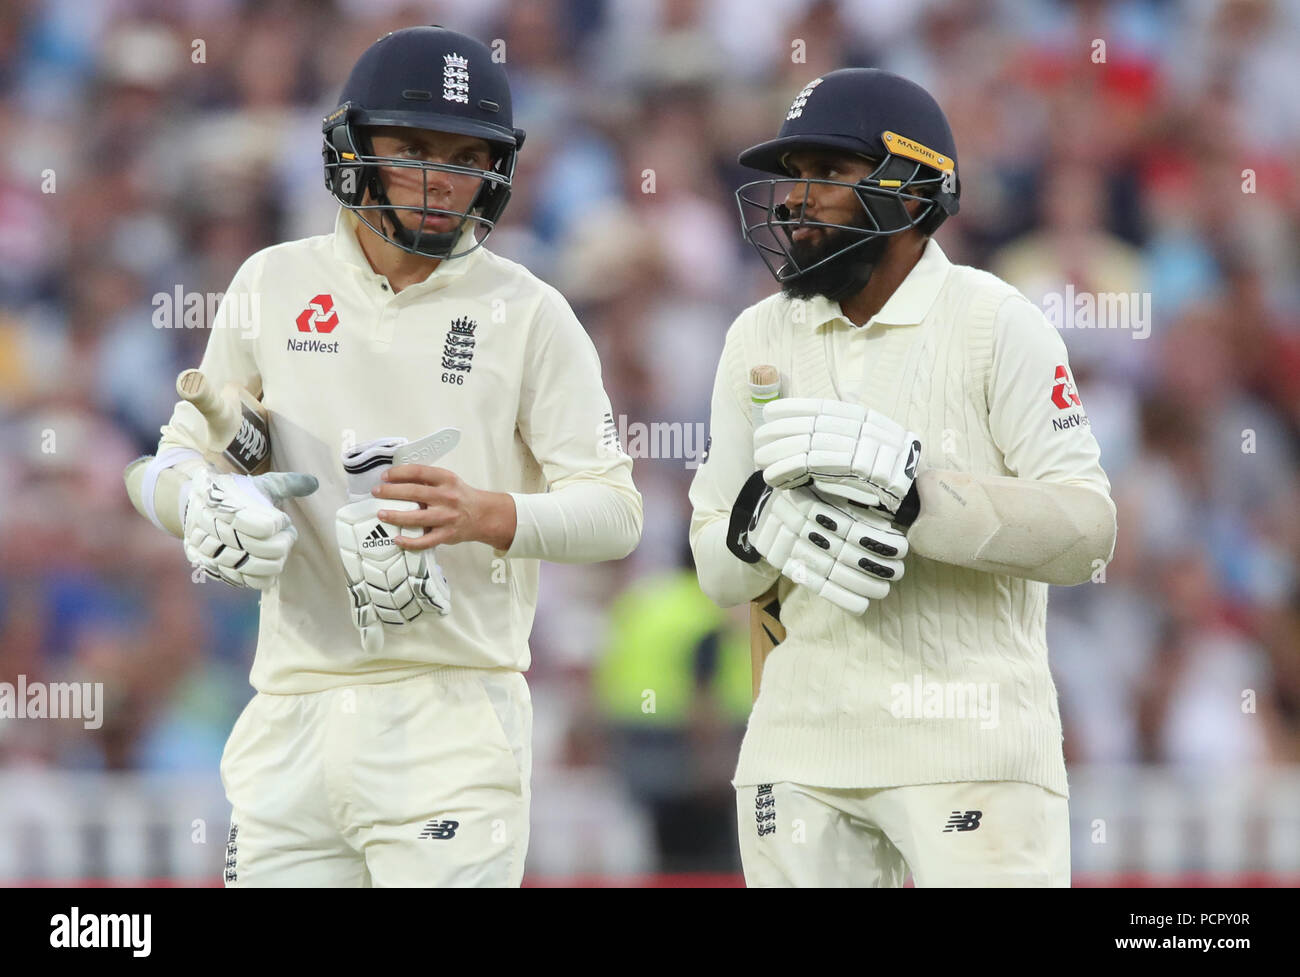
pixel 481 345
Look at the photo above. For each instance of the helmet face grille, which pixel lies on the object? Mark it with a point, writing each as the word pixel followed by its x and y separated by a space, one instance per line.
pixel 351 172
pixel 768 224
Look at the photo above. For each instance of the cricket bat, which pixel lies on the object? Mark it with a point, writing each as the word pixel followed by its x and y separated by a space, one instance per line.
pixel 765 628
pixel 238 425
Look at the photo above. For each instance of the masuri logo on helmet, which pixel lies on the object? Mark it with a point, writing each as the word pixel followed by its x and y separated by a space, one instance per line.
pixel 866 112
pixel 422 78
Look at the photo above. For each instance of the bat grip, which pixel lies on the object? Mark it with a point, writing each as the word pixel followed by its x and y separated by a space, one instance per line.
pixel 193 386
pixel 764 387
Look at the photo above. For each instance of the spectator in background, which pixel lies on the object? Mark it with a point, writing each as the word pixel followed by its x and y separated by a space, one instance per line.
pixel 1129 174
pixel 673 689
pixel 1207 702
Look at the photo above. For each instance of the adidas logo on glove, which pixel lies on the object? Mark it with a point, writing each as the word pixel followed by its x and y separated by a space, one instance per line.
pixel 389 587
pixel 377 537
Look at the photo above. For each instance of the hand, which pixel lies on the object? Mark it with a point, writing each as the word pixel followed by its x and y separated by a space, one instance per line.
pixel 449 510
pixel 849 453
pixel 848 558
pixel 233 530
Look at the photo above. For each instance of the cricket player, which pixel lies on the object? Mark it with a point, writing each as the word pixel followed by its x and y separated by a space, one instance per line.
pixel 926 472
pixel 388 743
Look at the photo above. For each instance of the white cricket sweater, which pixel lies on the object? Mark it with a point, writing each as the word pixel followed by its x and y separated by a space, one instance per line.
pixel 905 694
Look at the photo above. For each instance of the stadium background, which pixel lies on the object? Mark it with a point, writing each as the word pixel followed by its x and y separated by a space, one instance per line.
pixel 1166 169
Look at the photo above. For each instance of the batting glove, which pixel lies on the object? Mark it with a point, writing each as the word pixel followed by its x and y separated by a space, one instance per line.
pixel 848 453
pixel 388 585
pixel 233 529
pixel 850 559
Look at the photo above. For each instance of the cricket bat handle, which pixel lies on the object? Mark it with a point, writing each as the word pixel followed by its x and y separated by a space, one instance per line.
pixel 238 428
pixel 193 386
pixel 765 628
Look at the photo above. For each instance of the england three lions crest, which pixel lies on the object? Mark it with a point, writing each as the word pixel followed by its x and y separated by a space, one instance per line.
pixel 458 350
pixel 455 78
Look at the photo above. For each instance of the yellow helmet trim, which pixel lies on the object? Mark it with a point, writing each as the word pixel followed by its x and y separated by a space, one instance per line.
pixel 911 149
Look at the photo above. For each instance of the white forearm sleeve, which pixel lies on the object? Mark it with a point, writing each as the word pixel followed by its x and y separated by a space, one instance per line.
pixel 1046 531
pixel 582 522
pixel 159 487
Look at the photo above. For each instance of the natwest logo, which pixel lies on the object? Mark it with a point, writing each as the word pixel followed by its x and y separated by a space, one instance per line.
pixel 1064 395
pixel 319 316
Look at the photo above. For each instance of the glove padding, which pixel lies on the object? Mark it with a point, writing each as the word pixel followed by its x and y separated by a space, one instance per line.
pixel 850 559
pixel 846 451
pixel 233 530
pixel 388 585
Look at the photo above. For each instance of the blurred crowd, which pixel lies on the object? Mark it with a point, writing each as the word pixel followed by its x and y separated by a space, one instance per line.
pixel 1136 147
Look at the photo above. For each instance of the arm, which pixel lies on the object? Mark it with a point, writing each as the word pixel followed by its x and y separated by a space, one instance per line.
pixel 592 511
pixel 727 466
pixel 1054 521
pixel 1015 526
pixel 159 485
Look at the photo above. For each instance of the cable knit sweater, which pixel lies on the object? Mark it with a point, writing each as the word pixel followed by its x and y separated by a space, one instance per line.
pixel 946 679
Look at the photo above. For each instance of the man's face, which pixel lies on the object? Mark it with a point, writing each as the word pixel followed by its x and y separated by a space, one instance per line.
pixel 405 186
pixel 822 202
pixel 831 205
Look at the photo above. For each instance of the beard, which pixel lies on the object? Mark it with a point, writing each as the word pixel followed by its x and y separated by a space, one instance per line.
pixel 841 276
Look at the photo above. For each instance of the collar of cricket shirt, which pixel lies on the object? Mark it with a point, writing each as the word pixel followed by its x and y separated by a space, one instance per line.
pixel 348 249
pixel 909 304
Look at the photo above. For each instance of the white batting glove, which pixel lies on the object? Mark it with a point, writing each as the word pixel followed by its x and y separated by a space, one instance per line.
pixel 848 452
pixel 850 559
pixel 233 529
pixel 388 585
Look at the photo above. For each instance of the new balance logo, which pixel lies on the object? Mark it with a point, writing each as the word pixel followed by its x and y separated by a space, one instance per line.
pixel 964 821
pixel 376 537
pixel 440 830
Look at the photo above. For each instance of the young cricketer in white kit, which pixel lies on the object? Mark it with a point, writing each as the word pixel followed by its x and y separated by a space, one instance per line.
pixel 389 739
pixel 927 471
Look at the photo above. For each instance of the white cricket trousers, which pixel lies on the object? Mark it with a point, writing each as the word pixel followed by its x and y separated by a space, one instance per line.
pixel 990 834
pixel 422 782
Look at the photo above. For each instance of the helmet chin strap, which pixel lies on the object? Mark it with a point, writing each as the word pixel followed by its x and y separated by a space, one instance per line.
pixel 427 244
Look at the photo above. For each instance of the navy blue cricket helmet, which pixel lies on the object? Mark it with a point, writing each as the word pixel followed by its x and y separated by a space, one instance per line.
pixel 867 112
pixel 424 78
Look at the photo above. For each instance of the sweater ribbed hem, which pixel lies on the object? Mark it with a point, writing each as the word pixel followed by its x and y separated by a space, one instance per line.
pixel 929 752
